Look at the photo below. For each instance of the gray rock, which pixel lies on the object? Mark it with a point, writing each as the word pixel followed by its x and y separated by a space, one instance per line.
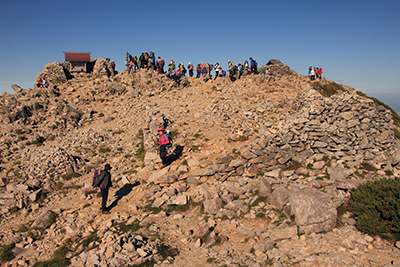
pixel 212 206
pixel 279 197
pixel 339 173
pixel 16 88
pixel 314 211
pixel 347 184
pixel 43 220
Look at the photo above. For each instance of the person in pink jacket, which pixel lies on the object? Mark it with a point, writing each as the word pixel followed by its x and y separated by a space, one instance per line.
pixel 163 141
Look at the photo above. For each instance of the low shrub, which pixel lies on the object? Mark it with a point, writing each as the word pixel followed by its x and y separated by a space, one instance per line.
pixel 376 208
pixel 6 253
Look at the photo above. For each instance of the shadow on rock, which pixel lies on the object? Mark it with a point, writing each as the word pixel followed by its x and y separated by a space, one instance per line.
pixel 175 154
pixel 123 191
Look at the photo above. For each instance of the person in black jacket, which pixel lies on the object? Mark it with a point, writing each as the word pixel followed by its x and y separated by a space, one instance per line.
pixel 104 182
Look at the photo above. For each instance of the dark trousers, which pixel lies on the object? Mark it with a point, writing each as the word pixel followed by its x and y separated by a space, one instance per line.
pixel 104 197
pixel 191 73
pixel 163 155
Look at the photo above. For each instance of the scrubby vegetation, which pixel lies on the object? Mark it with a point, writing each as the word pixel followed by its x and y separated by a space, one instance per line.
pixel 329 89
pixel 376 206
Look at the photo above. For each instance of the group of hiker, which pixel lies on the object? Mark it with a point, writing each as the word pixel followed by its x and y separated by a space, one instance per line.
pixel 148 61
pixel 145 60
pixel 314 73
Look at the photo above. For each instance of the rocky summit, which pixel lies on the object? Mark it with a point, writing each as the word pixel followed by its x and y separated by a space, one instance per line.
pixel 255 177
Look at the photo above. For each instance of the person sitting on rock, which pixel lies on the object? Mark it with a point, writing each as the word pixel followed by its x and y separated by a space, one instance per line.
pixel 42 83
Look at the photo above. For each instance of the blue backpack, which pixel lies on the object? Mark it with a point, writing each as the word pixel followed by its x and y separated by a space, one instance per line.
pixel 170 140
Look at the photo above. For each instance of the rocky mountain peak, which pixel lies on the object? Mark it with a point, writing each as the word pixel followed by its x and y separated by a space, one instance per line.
pixel 257 172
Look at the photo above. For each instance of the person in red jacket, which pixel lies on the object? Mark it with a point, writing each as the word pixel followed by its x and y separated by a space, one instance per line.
pixel 190 68
pixel 320 73
pixel 163 141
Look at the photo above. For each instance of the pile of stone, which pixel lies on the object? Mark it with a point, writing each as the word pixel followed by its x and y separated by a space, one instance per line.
pixel 56 72
pixel 346 126
pixel 102 67
pixel 18 195
pixel 55 162
pixel 119 250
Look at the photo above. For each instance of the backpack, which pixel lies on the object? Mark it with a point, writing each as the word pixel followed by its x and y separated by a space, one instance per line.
pixel 169 145
pixel 96 177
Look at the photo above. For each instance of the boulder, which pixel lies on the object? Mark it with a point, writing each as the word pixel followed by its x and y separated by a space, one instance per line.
pixel 279 197
pixel 212 206
pixel 314 210
pixel 43 220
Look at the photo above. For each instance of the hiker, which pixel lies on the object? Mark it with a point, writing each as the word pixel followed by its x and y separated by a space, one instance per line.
pixel 190 68
pixel 209 68
pixel 240 70
pixel 171 65
pixel 104 182
pixel 312 74
pixel 146 60
pixel 136 62
pixel 152 61
pixel 222 73
pixel 203 70
pixel 319 73
pixel 113 66
pixel 198 69
pixel 163 141
pixel 217 68
pixel 141 61
pixel 309 72
pixel 232 72
pixel 253 65
pixel 130 66
pixel 160 65
pixel 182 69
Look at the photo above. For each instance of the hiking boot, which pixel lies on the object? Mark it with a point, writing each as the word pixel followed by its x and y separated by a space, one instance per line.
pixel 106 212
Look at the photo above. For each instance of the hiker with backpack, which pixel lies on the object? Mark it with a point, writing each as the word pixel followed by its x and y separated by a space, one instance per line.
pixel 190 68
pixel 198 69
pixel 253 65
pixel 161 64
pixel 217 69
pixel 240 70
pixel 163 142
pixel 182 69
pixel 103 180
pixel 135 62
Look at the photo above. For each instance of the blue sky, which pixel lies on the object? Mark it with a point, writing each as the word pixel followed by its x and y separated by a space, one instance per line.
pixel 355 42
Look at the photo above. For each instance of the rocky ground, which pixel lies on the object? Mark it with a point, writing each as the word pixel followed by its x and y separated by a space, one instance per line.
pixel 257 173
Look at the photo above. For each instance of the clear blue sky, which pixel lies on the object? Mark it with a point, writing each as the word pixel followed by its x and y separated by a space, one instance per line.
pixel 355 42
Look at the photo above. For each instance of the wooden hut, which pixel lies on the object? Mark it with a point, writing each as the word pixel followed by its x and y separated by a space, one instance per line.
pixel 79 61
